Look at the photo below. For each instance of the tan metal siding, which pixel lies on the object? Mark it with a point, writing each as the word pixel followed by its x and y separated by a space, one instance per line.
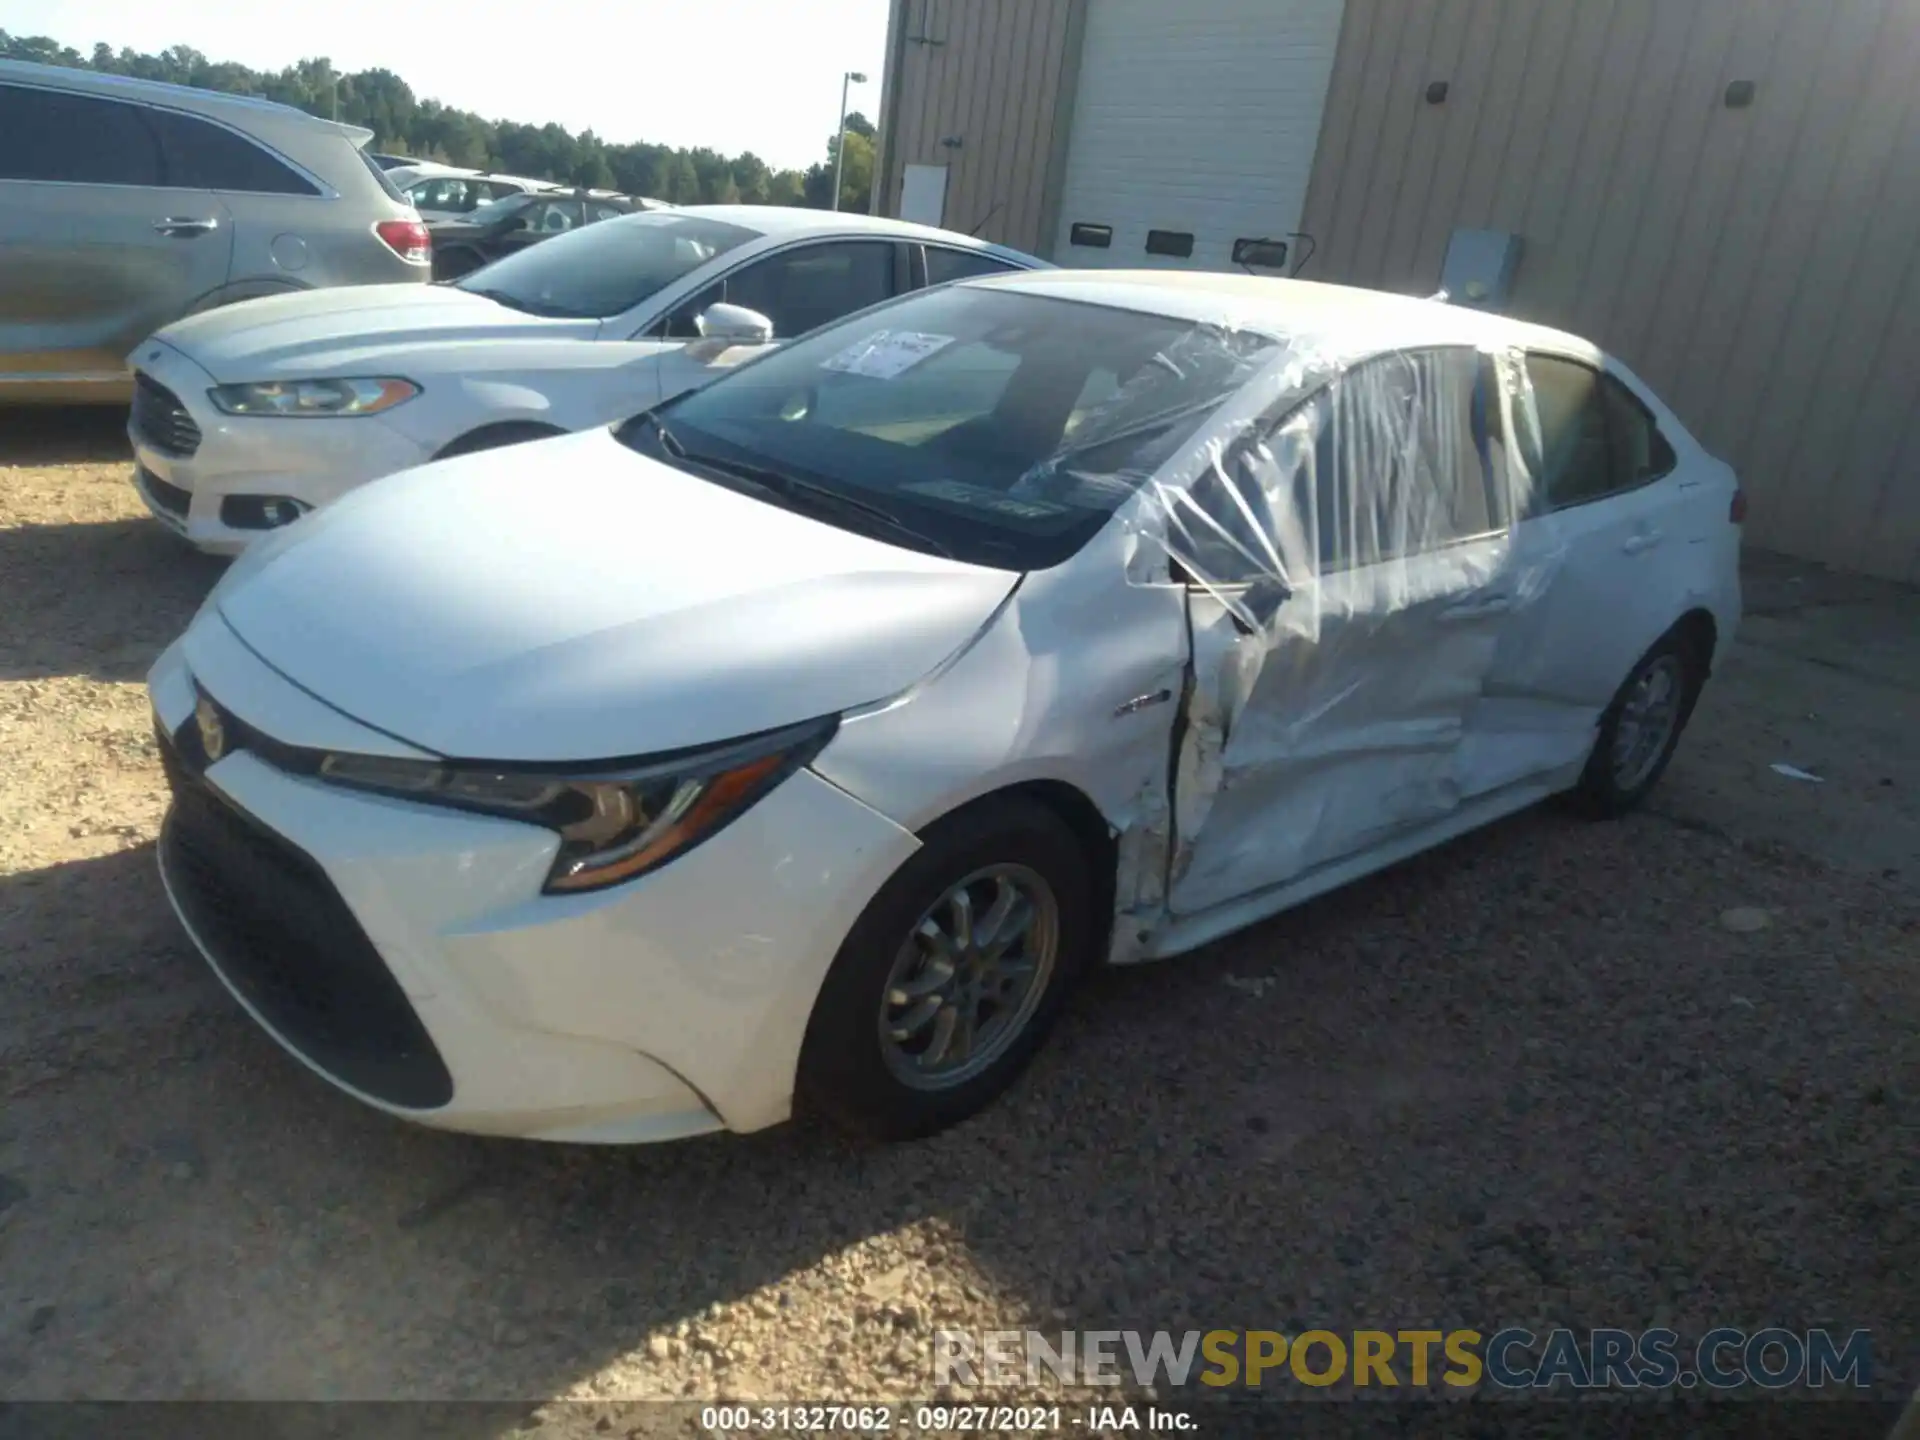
pixel 1760 267
pixel 994 84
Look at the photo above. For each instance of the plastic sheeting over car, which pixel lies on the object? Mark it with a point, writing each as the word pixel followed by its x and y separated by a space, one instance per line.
pixel 1345 531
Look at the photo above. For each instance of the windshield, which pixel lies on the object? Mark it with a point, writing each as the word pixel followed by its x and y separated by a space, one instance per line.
pixel 605 269
pixel 497 209
pixel 1000 428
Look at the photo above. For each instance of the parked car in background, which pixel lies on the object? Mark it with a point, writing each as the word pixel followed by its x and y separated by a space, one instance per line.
pixel 390 162
pixel 125 204
pixel 502 227
pixel 252 418
pixel 450 195
pixel 802 740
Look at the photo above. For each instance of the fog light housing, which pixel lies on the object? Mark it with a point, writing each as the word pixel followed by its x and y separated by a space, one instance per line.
pixel 260 512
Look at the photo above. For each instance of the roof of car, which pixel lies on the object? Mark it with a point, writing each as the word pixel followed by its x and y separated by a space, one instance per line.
pixel 790 220
pixel 162 92
pixel 1345 321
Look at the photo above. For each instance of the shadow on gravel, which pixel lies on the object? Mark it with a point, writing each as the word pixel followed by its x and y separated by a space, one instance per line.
pixel 64 435
pixel 1527 1079
pixel 100 600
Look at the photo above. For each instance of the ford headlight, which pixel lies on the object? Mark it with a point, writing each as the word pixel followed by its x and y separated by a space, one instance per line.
pixel 303 398
pixel 614 824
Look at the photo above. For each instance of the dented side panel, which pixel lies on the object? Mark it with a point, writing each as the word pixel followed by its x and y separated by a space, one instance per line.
pixel 1077 681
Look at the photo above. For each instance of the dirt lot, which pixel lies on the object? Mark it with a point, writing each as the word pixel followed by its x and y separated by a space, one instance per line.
pixel 1536 1077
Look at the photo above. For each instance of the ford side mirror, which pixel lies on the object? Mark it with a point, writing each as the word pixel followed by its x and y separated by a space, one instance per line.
pixel 734 324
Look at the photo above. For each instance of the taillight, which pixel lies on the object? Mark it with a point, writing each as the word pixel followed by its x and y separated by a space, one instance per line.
pixel 1737 510
pixel 406 238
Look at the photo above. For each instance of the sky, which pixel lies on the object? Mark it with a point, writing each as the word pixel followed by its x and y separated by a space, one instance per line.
pixel 733 75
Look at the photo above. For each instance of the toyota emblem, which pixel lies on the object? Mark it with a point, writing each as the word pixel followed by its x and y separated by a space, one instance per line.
pixel 213 734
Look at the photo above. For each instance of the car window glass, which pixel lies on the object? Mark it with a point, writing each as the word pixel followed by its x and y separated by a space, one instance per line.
pixel 927 400
pixel 1403 458
pixel 606 212
pixel 950 409
pixel 551 217
pixel 1565 439
pixel 683 323
pixel 495 211
pixel 445 192
pixel 810 285
pixel 378 169
pixel 1640 452
pixel 944 265
pixel 51 135
pixel 599 271
pixel 199 155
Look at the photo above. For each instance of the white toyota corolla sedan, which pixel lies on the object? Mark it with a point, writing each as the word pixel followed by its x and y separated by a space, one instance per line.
pixel 803 738
pixel 247 417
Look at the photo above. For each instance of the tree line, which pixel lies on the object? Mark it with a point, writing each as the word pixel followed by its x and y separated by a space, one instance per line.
pixel 404 124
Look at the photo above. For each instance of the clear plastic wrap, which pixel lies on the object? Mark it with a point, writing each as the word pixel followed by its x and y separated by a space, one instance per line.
pixel 1335 494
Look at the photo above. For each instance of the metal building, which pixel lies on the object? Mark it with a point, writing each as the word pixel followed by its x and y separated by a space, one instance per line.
pixel 1726 193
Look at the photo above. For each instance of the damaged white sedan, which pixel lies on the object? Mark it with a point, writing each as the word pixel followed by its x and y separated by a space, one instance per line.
pixel 802 739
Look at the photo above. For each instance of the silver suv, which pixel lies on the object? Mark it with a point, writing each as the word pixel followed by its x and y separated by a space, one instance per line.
pixel 126 204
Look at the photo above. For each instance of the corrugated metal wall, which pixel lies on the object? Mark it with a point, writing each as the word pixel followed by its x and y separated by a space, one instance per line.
pixel 987 73
pixel 1760 267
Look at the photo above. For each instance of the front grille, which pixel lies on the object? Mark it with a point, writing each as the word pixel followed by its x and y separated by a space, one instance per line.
pixel 279 932
pixel 160 419
pixel 170 498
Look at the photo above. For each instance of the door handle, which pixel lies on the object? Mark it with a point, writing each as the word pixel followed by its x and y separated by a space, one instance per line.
pixel 1478 609
pixel 1641 540
pixel 184 226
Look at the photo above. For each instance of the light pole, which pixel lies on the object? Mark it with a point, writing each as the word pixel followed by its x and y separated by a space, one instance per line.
pixel 852 77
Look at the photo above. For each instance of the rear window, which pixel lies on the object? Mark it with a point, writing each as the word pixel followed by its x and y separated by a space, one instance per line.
pixel 381 178
pixel 602 270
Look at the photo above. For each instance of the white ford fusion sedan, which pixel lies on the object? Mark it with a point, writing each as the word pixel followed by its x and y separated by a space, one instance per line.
pixel 247 417
pixel 802 739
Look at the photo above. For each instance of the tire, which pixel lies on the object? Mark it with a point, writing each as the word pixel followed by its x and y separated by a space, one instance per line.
pixel 494 437
pixel 1612 784
pixel 899 1088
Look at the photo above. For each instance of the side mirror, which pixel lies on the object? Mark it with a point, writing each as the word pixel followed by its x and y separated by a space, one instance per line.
pixel 734 324
pixel 1262 600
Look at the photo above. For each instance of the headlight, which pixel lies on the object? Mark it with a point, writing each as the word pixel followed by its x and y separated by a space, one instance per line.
pixel 313 397
pixel 612 825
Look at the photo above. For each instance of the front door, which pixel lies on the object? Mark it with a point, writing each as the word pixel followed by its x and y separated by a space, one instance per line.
pixel 100 252
pixel 1345 611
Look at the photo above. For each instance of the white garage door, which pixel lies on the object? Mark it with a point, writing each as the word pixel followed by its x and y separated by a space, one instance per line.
pixel 1196 119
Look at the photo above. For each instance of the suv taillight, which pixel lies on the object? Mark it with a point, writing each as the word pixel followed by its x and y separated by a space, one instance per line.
pixel 1737 510
pixel 406 238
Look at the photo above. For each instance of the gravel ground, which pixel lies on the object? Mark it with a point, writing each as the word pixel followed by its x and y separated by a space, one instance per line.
pixel 1535 1077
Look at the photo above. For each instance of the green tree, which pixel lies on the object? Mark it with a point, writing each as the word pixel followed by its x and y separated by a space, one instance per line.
pixel 401 121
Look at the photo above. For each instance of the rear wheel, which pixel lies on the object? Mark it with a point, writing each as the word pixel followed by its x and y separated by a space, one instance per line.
pixel 950 980
pixel 493 437
pixel 1641 728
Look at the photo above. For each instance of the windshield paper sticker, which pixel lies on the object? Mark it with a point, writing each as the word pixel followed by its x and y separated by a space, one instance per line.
pixel 886 353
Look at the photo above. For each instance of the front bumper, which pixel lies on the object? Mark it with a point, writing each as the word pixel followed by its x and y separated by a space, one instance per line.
pixel 250 461
pixel 666 1007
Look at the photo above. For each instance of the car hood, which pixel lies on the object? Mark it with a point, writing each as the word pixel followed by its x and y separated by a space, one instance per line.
pixel 570 600
pixel 317 333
